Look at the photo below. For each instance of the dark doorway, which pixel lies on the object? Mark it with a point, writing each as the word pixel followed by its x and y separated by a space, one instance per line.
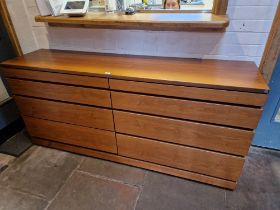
pixel 6 48
pixel 10 120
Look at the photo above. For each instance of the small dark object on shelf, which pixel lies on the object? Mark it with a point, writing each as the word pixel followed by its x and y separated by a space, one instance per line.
pixel 130 11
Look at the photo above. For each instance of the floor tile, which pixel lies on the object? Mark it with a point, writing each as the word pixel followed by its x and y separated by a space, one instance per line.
pixel 13 200
pixel 41 174
pixel 124 173
pixel 5 160
pixel 261 172
pixel 239 200
pixel 17 144
pixel 40 171
pixel 163 192
pixel 258 188
pixel 86 192
pixel 259 185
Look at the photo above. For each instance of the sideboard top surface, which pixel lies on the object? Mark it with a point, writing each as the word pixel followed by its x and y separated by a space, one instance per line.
pixel 231 75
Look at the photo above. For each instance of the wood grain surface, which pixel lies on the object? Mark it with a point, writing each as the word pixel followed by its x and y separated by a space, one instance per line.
pixel 138 163
pixel 197 116
pixel 181 157
pixel 272 48
pixel 231 75
pixel 220 7
pixel 237 116
pixel 72 134
pixel 56 77
pixel 65 112
pixel 200 135
pixel 151 21
pixel 235 97
pixel 60 92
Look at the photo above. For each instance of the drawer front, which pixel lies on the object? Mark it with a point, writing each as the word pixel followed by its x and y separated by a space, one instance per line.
pixel 208 163
pixel 235 97
pixel 60 92
pixel 186 109
pixel 72 134
pixel 68 113
pixel 56 77
pixel 222 139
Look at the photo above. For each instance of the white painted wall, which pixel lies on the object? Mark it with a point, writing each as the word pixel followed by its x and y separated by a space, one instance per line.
pixel 244 39
pixel 20 14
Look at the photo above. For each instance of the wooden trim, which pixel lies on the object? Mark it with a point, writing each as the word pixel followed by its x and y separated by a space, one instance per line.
pixel 143 21
pixel 10 28
pixel 175 11
pixel 220 7
pixel 272 48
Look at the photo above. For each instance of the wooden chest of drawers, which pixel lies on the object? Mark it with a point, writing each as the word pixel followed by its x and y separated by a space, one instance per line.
pixel 189 118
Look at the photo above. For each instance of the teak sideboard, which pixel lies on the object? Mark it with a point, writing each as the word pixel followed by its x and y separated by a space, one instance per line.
pixel 184 117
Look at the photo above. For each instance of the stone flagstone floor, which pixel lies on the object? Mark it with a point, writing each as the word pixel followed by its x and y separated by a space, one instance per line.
pixel 48 179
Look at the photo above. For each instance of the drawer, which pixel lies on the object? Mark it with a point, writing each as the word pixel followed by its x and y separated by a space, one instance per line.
pixel 55 77
pixel 186 109
pixel 68 113
pixel 60 92
pixel 72 134
pixel 196 160
pixel 211 137
pixel 234 97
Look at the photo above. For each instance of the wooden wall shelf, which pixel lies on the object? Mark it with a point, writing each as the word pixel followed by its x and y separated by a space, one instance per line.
pixel 143 21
